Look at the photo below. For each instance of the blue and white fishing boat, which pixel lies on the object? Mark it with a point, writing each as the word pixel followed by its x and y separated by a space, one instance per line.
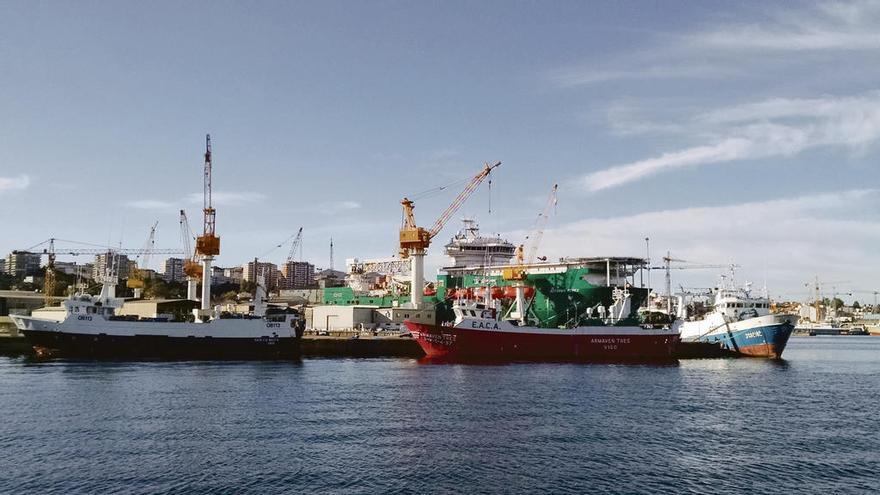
pixel 738 322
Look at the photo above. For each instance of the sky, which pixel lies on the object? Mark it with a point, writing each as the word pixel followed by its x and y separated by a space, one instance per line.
pixel 726 132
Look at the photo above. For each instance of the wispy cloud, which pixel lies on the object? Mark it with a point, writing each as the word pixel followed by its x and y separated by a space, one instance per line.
pixel 344 205
pixel 828 26
pixel 773 128
pixel 14 183
pixel 150 204
pixel 228 198
pixel 740 48
pixel 805 242
pixel 582 75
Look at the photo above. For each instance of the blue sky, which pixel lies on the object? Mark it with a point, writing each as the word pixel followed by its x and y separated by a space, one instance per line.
pixel 741 132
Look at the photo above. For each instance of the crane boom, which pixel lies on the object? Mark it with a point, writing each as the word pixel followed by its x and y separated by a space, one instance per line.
pixel 136 277
pixel 297 241
pixel 461 198
pixel 417 239
pixel 191 266
pixel 518 272
pixel 540 224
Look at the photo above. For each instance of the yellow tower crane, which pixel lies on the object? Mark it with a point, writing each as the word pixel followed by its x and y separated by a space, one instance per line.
pixel 414 240
pixel 136 275
pixel 191 266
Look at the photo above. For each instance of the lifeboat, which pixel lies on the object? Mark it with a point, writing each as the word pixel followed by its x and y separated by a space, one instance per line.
pixel 510 292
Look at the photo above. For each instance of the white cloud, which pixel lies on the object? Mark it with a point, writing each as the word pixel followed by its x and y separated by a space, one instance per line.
pixel 150 204
pixel 345 205
pixel 773 128
pixel 793 239
pixel 830 26
pixel 742 49
pixel 228 198
pixel 580 76
pixel 14 183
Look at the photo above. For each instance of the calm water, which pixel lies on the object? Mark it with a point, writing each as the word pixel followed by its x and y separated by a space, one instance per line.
pixel 809 424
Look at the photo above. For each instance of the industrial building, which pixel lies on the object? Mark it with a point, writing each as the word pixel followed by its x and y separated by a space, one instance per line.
pixel 334 318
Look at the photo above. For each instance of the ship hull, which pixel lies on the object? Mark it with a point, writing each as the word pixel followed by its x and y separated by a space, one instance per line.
pixel 752 339
pixel 601 344
pixel 103 346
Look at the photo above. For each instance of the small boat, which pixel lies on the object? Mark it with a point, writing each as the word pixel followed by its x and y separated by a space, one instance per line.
pixel 814 329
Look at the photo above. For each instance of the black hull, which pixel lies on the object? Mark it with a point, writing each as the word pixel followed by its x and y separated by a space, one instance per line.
pixel 58 344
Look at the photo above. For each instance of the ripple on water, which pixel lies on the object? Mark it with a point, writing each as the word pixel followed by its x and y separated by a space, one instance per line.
pixel 805 425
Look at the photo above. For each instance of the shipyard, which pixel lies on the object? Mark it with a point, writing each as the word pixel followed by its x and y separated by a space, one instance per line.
pixel 439 247
pixel 487 284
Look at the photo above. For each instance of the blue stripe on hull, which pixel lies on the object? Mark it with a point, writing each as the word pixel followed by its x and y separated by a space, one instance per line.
pixel 766 341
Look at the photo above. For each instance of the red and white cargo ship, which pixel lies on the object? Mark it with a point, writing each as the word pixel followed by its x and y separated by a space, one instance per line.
pixel 479 333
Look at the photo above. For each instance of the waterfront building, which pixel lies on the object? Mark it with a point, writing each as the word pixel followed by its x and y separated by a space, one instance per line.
pixel 296 275
pixel 218 276
pixel 22 263
pixel 235 274
pixel 173 270
pixel 266 269
pixel 111 260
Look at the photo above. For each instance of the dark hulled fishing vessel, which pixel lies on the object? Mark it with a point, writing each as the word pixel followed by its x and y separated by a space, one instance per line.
pixel 90 327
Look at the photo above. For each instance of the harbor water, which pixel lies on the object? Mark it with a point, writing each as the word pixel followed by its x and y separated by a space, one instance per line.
pixel 805 424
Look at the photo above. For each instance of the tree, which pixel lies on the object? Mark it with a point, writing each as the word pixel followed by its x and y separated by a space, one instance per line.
pixel 837 303
pixel 856 305
pixel 248 286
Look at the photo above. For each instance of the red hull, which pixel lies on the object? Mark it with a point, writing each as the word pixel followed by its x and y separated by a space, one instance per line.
pixel 462 343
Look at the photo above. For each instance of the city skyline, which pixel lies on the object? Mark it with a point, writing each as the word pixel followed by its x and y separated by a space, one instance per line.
pixel 711 128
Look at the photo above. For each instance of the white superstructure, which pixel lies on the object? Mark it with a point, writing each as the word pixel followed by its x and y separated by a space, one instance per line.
pixel 469 248
pixel 97 315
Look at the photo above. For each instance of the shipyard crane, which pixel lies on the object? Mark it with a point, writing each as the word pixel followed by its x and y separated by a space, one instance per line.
pixel 817 286
pixel 191 267
pixel 51 251
pixel 414 240
pixel 294 245
pixel 533 239
pixel 518 272
pixel 136 276
pixel 207 244
pixel 49 277
pixel 874 292
pixel 668 260
pixel 289 270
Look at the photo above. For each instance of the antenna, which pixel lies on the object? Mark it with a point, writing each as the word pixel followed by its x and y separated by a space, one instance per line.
pixel 331 253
